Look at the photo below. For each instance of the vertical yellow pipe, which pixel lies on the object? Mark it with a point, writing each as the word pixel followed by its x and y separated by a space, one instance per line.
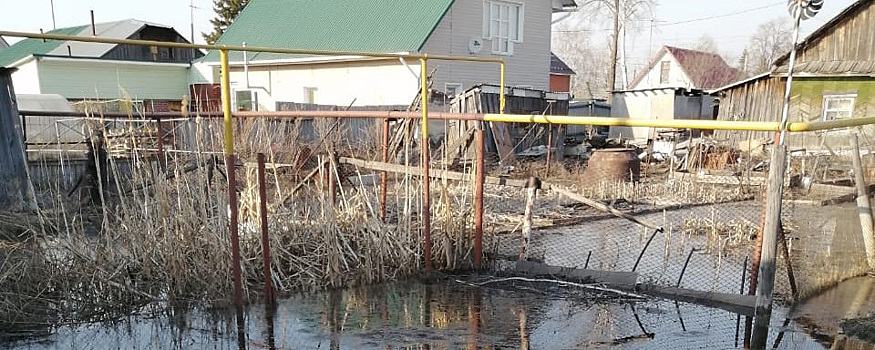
pixel 426 197
pixel 501 99
pixel 226 103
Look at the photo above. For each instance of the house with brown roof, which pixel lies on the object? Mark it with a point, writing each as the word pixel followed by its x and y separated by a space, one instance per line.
pixel 560 74
pixel 833 79
pixel 671 86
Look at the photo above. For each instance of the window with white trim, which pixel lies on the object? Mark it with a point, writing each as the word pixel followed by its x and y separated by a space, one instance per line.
pixel 246 100
pixel 837 107
pixel 503 24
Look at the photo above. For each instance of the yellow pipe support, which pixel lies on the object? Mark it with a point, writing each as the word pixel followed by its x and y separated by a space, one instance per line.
pixel 226 103
pixel 834 124
pixel 501 97
pixel 606 121
pixel 103 40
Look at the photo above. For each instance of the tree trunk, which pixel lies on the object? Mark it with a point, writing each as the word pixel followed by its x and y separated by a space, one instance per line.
pixel 612 74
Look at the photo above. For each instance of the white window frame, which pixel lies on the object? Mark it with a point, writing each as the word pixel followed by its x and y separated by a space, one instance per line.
pixel 307 99
pixel 515 28
pixel 837 97
pixel 254 99
pixel 456 86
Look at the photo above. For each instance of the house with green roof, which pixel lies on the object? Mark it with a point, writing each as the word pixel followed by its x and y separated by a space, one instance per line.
pixel 516 30
pixel 93 71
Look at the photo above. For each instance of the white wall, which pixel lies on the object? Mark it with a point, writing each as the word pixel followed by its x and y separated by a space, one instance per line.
pixel 653 105
pixel 676 75
pixel 385 82
pixel 528 66
pixel 25 80
pixel 102 79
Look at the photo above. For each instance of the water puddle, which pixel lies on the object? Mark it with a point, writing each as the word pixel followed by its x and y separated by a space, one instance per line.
pixel 442 315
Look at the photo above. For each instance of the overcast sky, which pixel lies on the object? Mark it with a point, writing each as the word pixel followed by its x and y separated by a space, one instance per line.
pixel 729 22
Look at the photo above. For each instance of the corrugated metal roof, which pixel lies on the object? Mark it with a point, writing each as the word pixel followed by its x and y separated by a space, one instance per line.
pixel 831 68
pixel 3 43
pixel 116 30
pixel 29 47
pixel 339 25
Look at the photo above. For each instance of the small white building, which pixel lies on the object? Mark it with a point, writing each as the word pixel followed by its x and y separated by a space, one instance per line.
pixel 671 86
pixel 79 71
pixel 516 30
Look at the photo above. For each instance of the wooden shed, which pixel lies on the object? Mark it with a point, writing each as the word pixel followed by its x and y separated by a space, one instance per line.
pixel 834 78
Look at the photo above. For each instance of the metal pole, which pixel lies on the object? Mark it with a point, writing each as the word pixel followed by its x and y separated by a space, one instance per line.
pixel 424 146
pixel 480 177
pixel 232 180
pixel 765 287
pixel 549 148
pixel 501 94
pixel 785 113
pixel 531 194
pixel 384 176
pixel 265 234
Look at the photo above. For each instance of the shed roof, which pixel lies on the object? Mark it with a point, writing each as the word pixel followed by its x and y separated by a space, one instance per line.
pixel 116 30
pixel 705 70
pixel 339 25
pixel 557 66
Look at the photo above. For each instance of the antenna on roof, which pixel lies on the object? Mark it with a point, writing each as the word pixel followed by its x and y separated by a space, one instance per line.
pixel 93 27
pixel 52 3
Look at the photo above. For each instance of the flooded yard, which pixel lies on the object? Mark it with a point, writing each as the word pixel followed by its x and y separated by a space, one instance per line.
pixel 447 314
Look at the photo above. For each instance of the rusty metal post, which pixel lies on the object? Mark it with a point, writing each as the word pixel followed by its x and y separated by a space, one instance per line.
pixel 265 235
pixel 162 157
pixel 531 192
pixel 230 164
pixel 479 179
pixel 384 176
pixel 549 149
pixel 424 147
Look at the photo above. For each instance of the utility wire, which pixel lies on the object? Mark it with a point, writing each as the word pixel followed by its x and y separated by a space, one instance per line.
pixel 677 23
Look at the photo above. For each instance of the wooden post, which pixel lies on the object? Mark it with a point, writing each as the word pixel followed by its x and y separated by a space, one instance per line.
pixel 766 284
pixel 549 149
pixel 531 193
pixel 16 191
pixel 480 176
pixel 384 176
pixel 162 157
pixel 863 204
pixel 265 235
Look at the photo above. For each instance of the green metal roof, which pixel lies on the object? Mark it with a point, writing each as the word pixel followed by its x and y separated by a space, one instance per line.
pixel 339 25
pixel 29 47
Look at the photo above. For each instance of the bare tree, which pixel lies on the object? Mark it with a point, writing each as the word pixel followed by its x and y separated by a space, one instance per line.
pixel 706 43
pixel 771 40
pixel 622 12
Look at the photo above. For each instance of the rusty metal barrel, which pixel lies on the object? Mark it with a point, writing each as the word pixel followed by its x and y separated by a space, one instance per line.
pixel 612 165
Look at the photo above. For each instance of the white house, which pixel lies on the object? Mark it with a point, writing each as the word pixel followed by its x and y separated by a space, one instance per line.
pixel 78 71
pixel 671 86
pixel 516 30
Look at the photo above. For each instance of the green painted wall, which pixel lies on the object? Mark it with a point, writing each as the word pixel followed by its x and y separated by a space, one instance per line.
pixel 808 96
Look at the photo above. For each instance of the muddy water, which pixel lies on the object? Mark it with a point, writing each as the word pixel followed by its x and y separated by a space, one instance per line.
pixel 444 315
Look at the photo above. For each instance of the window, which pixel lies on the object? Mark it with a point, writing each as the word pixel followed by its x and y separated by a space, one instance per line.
pixel 453 89
pixel 837 107
pixel 503 24
pixel 663 72
pixel 246 100
pixel 310 95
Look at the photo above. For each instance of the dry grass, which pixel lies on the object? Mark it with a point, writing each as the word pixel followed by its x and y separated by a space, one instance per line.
pixel 164 235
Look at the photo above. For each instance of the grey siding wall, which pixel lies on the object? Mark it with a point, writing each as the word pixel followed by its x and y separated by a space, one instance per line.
pixel 528 66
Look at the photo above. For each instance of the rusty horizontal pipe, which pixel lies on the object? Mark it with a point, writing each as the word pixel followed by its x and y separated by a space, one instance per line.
pixel 282 114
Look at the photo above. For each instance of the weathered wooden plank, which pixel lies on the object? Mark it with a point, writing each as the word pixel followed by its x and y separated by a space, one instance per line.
pixel 614 278
pixel 737 303
pixel 16 192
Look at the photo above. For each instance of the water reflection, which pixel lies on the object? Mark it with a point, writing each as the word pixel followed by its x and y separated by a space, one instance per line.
pixel 447 315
